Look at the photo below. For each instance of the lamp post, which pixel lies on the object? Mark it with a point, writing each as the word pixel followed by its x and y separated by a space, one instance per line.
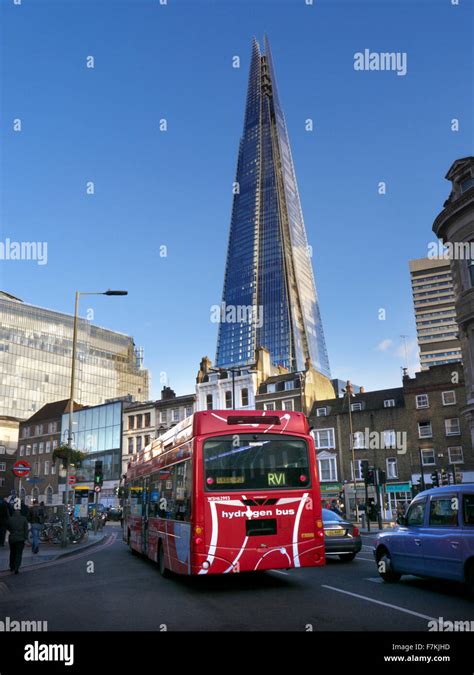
pixel 349 392
pixel 233 370
pixel 71 397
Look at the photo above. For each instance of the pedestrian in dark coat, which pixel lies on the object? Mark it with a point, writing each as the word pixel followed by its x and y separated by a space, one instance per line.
pixel 18 527
pixel 4 515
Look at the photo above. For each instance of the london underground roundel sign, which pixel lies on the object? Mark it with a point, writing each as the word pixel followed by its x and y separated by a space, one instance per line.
pixel 21 468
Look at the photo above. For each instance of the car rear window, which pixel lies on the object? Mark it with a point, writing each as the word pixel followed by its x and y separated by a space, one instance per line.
pixel 330 517
pixel 468 509
pixel 444 511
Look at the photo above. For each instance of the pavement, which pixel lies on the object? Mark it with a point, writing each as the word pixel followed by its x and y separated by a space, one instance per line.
pixel 47 552
pixel 374 529
pixel 106 588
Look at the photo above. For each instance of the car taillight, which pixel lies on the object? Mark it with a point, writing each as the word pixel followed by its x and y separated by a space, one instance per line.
pixel 355 531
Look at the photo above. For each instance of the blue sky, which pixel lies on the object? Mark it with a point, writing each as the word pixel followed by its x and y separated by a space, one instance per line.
pixel 173 188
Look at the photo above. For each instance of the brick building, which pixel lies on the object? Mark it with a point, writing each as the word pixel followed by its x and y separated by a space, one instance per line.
pixel 406 431
pixel 454 226
pixel 39 436
pixel 143 422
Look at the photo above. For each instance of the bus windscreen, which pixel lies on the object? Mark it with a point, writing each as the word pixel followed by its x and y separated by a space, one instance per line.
pixel 256 462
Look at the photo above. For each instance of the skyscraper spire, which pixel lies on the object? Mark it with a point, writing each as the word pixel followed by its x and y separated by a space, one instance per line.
pixel 269 297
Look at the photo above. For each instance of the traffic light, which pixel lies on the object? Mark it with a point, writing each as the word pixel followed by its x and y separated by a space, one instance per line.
pixel 371 477
pixel 444 477
pixel 365 469
pixel 98 475
pixel 382 477
pixel 435 479
pixel 419 487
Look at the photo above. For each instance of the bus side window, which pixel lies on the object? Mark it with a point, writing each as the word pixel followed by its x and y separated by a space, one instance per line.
pixel 154 496
pixel 182 491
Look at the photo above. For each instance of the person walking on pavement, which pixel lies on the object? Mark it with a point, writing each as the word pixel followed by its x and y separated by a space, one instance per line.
pixel 18 527
pixel 4 515
pixel 36 519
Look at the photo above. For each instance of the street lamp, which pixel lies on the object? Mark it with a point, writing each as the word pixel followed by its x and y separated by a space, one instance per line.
pixel 71 396
pixel 349 392
pixel 233 370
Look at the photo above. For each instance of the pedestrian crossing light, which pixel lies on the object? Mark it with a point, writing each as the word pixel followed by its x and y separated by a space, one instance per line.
pixel 98 475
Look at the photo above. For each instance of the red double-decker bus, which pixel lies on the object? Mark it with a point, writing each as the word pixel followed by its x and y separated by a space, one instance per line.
pixel 227 491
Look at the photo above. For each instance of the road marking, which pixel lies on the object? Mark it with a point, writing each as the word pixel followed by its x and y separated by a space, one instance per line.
pixel 371 548
pixel 332 556
pixel 379 602
pixel 376 580
pixel 371 560
pixel 280 572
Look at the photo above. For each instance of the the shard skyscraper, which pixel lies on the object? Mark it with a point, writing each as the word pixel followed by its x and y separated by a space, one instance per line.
pixel 268 262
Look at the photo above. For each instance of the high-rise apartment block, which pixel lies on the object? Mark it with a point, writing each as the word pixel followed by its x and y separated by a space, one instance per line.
pixel 435 312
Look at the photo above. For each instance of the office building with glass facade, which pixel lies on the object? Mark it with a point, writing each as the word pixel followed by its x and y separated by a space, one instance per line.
pixel 97 431
pixel 9 427
pixel 36 355
pixel 269 298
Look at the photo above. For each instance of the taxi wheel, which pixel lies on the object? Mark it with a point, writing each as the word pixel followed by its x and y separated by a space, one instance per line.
pixel 385 570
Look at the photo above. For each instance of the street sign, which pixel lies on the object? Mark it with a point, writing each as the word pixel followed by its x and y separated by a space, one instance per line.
pixel 72 480
pixel 97 488
pixel 21 468
pixel 398 487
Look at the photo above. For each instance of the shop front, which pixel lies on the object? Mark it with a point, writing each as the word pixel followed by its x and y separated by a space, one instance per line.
pixel 398 495
pixel 330 491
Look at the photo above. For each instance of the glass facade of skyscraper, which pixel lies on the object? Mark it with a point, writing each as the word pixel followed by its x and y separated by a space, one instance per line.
pixel 36 355
pixel 268 267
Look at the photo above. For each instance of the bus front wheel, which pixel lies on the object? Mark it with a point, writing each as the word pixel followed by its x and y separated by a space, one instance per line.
pixel 164 571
